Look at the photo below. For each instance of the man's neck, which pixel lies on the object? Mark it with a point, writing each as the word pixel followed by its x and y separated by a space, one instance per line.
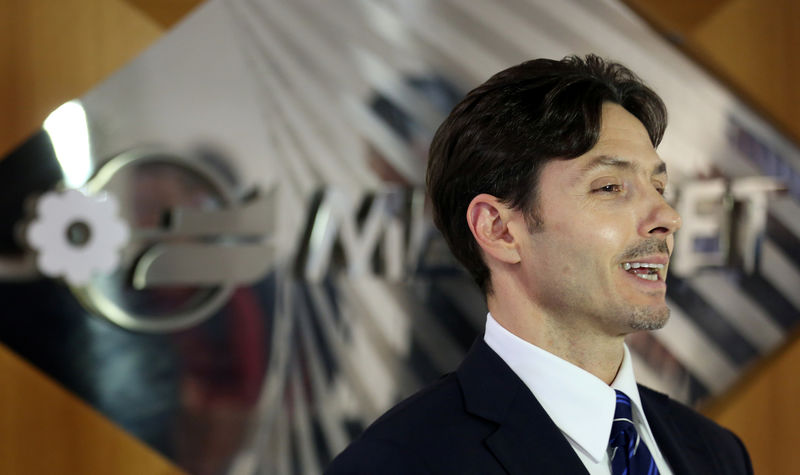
pixel 587 348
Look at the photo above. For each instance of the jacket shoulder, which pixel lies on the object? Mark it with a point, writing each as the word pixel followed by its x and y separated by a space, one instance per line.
pixel 416 435
pixel 688 420
pixel 720 445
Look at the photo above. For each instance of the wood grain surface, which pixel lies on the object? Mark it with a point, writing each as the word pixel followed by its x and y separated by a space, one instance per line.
pixel 46 430
pixel 52 51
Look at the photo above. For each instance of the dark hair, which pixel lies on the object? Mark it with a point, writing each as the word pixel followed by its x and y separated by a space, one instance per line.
pixel 498 138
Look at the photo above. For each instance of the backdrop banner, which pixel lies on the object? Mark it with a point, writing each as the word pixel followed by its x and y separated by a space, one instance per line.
pixel 225 247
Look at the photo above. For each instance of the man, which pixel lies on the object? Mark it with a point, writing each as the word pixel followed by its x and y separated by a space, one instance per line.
pixel 546 184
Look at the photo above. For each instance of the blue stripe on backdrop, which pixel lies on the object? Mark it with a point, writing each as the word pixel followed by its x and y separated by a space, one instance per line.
pixel 323 452
pixel 293 451
pixel 443 307
pixel 714 324
pixel 778 307
pixel 787 241
pixel 353 427
pixel 697 390
pixel 680 383
pixel 322 344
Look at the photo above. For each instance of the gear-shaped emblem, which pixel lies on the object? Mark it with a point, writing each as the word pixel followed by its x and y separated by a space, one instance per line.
pixel 77 235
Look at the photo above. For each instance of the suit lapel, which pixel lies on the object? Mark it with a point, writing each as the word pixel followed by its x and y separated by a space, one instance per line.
pixel 682 451
pixel 526 440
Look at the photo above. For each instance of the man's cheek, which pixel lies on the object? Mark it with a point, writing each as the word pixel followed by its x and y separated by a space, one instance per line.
pixel 606 235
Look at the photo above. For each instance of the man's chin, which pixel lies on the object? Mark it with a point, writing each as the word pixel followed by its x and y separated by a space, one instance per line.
pixel 649 318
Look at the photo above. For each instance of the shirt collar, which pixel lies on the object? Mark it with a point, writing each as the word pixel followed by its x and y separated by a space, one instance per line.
pixel 579 403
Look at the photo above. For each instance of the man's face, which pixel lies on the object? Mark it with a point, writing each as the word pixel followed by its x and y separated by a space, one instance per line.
pixel 598 262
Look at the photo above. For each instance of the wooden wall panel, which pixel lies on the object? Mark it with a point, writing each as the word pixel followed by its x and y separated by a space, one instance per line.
pixel 762 410
pixel 53 51
pixel 751 45
pixel 165 13
pixel 676 17
pixel 45 429
pixel 755 44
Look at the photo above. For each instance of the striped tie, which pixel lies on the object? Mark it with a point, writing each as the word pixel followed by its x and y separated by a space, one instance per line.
pixel 629 455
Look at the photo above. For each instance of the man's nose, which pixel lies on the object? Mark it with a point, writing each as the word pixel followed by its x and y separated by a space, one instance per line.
pixel 662 219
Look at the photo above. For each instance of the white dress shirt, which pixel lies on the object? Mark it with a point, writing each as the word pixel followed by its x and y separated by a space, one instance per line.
pixel 580 404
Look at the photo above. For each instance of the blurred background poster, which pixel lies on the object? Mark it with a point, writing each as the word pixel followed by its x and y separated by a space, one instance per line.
pixel 224 246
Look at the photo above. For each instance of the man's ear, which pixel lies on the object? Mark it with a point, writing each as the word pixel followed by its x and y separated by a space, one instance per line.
pixel 488 219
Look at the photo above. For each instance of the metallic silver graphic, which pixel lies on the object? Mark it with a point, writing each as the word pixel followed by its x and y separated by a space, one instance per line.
pixel 193 241
pixel 75 235
pixel 280 192
pixel 68 130
pixel 393 222
pixel 724 223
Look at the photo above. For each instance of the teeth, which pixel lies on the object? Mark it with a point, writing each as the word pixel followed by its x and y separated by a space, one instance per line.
pixel 653 277
pixel 636 265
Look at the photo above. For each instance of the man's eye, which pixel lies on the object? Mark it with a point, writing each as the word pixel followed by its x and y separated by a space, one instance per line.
pixel 610 188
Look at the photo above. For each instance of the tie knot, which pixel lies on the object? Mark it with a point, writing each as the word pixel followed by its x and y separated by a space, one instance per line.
pixel 623 409
pixel 629 454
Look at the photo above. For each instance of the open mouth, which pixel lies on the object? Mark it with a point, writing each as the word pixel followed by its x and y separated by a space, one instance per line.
pixel 644 270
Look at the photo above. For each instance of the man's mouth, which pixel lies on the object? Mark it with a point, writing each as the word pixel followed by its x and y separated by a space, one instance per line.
pixel 644 270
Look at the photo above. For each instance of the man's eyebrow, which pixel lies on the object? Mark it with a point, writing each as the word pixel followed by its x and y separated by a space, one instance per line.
pixel 660 169
pixel 608 161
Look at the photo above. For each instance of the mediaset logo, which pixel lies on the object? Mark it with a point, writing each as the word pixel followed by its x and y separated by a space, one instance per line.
pixel 154 241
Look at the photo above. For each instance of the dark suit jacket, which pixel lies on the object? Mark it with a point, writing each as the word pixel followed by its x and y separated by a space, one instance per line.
pixel 482 419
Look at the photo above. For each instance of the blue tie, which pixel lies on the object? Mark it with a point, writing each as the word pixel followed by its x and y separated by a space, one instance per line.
pixel 629 455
